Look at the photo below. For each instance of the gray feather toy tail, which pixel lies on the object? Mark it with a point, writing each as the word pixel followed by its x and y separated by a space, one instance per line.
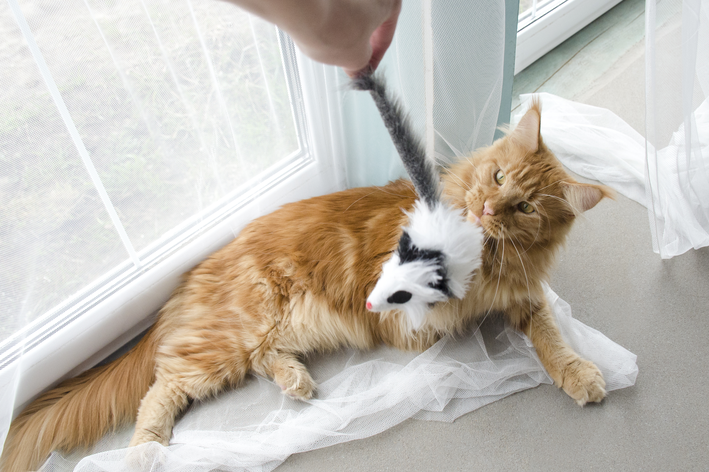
pixel 439 249
pixel 412 152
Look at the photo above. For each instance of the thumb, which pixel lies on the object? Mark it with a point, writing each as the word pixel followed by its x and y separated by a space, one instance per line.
pixel 379 42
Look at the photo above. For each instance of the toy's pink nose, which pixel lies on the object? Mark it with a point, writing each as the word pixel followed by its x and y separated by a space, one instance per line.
pixel 487 209
pixel 369 305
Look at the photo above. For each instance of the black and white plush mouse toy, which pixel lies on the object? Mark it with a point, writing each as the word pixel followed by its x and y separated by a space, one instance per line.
pixel 439 249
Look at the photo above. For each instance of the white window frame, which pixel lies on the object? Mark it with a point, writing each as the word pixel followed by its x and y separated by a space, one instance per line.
pixel 555 24
pixel 99 324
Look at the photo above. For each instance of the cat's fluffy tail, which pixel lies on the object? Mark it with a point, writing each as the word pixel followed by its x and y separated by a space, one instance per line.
pixel 81 410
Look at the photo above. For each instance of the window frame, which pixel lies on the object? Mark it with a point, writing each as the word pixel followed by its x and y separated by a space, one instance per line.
pixel 124 302
pixel 555 24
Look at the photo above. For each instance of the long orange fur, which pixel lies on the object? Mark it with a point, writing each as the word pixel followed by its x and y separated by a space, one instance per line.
pixel 296 281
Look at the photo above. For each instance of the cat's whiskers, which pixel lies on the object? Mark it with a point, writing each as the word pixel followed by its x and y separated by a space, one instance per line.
pixel 486 233
pixel 471 162
pixel 539 226
pixel 490 239
pixel 499 277
pixel 546 215
pixel 462 183
pixel 519 241
pixel 573 208
pixel 521 245
pixel 526 279
pixel 494 257
pixel 536 236
pixel 488 236
pixel 553 183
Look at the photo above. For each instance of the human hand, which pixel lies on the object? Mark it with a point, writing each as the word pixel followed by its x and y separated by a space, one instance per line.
pixel 352 34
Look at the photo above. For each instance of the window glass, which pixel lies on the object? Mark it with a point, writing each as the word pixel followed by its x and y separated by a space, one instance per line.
pixel 532 10
pixel 178 104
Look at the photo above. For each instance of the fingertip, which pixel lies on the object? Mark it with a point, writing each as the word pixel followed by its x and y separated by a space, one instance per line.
pixel 367 70
pixel 353 74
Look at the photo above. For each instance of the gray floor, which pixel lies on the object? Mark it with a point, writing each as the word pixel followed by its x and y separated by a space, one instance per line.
pixel 614 283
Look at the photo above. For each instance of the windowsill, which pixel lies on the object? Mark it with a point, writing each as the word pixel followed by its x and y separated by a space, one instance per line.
pixel 570 69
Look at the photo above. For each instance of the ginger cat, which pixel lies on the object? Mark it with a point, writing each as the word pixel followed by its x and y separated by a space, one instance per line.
pixel 296 281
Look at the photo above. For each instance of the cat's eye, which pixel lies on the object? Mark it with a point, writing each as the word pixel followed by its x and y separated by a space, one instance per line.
pixel 500 177
pixel 525 207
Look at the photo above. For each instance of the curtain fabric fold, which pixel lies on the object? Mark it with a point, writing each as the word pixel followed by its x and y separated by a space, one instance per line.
pixel 255 427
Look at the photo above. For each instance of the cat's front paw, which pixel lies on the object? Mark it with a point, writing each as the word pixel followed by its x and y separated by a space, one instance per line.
pixel 297 384
pixel 146 456
pixel 583 382
pixel 142 436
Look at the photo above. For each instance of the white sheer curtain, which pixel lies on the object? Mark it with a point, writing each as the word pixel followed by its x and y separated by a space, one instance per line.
pixel 667 169
pixel 463 84
pixel 255 427
pixel 446 62
pixel 677 129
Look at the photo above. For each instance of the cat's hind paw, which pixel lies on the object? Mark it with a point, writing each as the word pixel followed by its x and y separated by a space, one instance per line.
pixel 584 382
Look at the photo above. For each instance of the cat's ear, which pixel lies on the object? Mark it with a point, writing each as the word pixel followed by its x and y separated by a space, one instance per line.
pixel 526 134
pixel 582 197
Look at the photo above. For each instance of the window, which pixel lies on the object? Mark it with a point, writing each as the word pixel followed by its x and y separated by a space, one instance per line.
pixel 532 10
pixel 544 24
pixel 135 138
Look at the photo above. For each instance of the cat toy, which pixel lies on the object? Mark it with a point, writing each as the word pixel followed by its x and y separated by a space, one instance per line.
pixel 439 249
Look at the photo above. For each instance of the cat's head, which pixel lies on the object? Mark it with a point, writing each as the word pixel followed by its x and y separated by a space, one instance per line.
pixel 518 190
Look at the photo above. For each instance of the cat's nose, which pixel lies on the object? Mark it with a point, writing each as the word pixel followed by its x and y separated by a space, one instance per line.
pixel 487 209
